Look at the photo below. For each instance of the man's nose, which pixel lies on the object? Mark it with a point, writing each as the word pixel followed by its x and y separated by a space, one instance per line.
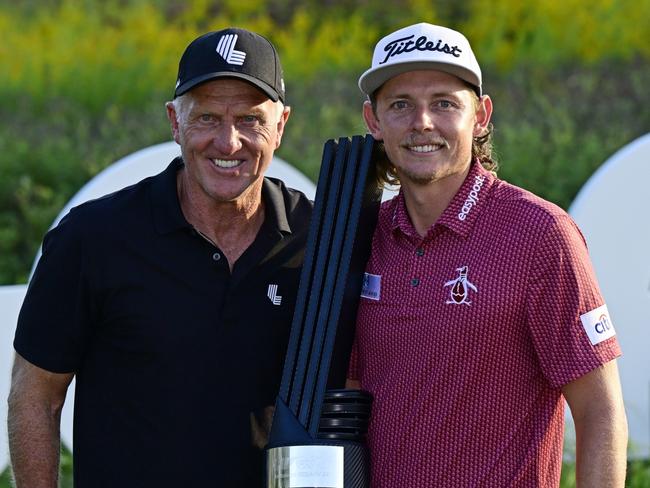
pixel 227 139
pixel 423 119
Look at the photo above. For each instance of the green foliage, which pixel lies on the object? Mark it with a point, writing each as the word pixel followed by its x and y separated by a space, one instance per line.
pixel 568 475
pixel 554 129
pixel 638 474
pixel 510 32
pixel 47 155
pixel 84 83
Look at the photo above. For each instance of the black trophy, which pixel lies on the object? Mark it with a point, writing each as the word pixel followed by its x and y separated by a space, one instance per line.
pixel 318 431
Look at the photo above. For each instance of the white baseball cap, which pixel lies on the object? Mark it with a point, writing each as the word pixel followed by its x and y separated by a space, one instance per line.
pixel 422 46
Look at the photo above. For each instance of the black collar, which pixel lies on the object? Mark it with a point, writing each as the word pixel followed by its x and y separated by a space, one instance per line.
pixel 168 216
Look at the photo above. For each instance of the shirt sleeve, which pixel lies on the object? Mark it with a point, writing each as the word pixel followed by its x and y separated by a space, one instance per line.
pixel 52 324
pixel 562 288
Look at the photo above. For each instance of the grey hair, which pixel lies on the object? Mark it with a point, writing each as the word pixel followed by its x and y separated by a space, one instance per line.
pixel 181 107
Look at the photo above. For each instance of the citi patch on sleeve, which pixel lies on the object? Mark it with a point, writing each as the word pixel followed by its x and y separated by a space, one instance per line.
pixel 598 325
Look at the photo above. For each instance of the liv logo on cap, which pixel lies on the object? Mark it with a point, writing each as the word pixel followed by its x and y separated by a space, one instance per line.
pixel 418 47
pixel 226 48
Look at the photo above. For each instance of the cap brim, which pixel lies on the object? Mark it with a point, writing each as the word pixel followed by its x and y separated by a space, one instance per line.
pixel 373 78
pixel 264 87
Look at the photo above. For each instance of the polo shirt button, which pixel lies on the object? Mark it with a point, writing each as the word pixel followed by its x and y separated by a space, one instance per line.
pixel 419 251
pixel 216 256
pixel 415 282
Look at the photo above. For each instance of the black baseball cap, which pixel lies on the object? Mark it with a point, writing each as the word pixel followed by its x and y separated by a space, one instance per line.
pixel 233 53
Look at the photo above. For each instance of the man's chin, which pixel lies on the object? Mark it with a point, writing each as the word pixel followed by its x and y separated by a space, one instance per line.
pixel 419 179
pixel 235 193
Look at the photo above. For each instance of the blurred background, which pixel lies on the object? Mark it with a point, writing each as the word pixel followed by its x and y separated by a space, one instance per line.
pixel 83 83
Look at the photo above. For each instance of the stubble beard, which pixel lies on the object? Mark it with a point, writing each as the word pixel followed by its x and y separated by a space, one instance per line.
pixel 422 178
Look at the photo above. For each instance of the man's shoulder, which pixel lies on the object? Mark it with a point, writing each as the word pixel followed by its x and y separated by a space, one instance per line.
pixel 524 205
pixel 109 214
pixel 113 205
pixel 297 205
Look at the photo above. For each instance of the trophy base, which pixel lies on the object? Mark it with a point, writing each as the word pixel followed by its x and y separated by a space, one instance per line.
pixel 344 464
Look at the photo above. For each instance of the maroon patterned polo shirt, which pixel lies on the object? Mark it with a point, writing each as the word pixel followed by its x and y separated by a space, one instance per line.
pixel 465 336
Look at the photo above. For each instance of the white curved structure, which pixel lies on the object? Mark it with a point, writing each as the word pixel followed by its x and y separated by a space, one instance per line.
pixel 11 298
pixel 613 212
pixel 124 172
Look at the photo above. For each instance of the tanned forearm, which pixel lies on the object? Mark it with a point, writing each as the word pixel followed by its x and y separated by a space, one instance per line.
pixel 601 449
pixel 598 413
pixel 35 404
pixel 34 444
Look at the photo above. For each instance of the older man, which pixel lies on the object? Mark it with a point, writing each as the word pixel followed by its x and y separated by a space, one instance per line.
pixel 170 301
pixel 480 311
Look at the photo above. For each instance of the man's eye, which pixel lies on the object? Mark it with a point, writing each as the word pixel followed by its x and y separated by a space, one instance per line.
pixel 249 119
pixel 445 104
pixel 207 118
pixel 400 105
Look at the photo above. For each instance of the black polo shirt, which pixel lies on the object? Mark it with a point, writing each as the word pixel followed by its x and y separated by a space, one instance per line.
pixel 170 349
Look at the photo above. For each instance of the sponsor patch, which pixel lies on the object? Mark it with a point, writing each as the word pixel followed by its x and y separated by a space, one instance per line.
pixel 472 198
pixel 598 325
pixel 272 293
pixel 371 287
pixel 460 287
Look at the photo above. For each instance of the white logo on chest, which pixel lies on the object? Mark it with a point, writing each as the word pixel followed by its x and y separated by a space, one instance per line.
pixel 472 198
pixel 460 287
pixel 272 293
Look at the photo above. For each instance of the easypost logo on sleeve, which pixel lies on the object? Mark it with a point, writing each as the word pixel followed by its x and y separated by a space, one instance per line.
pixel 598 325
pixel 371 287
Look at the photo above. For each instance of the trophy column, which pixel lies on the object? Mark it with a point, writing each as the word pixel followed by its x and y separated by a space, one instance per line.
pixel 318 432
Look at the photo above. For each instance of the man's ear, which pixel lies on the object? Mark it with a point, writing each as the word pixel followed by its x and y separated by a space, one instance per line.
pixel 483 115
pixel 371 121
pixel 173 120
pixel 281 123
